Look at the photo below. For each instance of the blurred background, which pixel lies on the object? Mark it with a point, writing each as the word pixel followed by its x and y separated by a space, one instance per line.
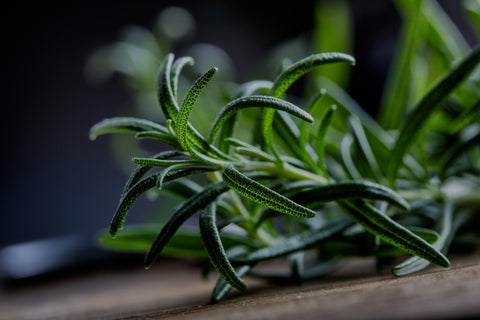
pixel 58 183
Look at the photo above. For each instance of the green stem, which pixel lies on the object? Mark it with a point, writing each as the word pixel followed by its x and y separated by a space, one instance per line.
pixel 286 170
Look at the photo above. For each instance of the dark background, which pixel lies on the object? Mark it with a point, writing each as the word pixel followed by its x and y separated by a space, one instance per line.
pixel 56 182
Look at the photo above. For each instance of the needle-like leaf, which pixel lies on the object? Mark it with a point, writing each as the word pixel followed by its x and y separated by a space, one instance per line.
pixel 414 264
pixel 466 118
pixel 320 139
pixel 288 77
pixel 303 241
pixel 426 108
pixel 198 202
pixel 182 124
pixel 345 152
pixel 125 124
pixel 160 162
pixel 349 190
pixel 176 70
pixel 256 192
pixel 289 134
pixel 162 137
pixel 137 190
pixel 362 141
pixel 214 246
pixel 458 151
pixel 165 94
pixel 223 287
pixel 391 232
pixel 251 87
pixel 255 101
pixel 188 166
pixel 138 173
pixel 246 89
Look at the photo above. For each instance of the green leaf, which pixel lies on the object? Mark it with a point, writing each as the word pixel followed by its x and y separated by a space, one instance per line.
pixel 176 70
pixel 303 137
pixel 428 235
pixel 466 118
pixel 197 202
pixel 426 108
pixel 214 246
pixel 472 7
pixel 188 166
pixel 320 139
pixel 458 151
pixel 251 87
pixel 298 69
pixel 127 201
pixel 247 149
pixel 137 190
pixel 138 173
pixel 255 101
pixel 312 109
pixel 162 137
pixel 381 138
pixel 327 15
pixel 348 106
pixel 161 163
pixel 345 152
pixel 183 188
pixel 391 232
pixel 182 124
pixel 222 287
pixel 258 193
pixel 165 94
pixel 288 77
pixel 186 242
pixel 396 94
pixel 415 264
pixel 289 135
pixel 255 153
pixel 377 135
pixel 125 124
pixel 138 238
pixel 350 190
pixel 449 39
pixel 246 89
pixel 302 241
pixel 366 150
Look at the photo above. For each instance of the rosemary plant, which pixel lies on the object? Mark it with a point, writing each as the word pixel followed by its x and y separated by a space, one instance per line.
pixel 315 184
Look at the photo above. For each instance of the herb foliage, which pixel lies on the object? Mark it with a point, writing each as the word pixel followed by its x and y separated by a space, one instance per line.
pixel 319 182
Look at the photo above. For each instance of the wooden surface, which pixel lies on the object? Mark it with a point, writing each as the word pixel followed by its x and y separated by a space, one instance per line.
pixel 174 290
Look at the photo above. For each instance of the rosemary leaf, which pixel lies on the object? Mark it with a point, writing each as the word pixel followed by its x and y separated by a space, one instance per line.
pixel 176 70
pixel 165 94
pixel 197 202
pixel 222 287
pixel 125 124
pixel 214 246
pixel 391 232
pixel 137 190
pixel 425 109
pixel 182 123
pixel 320 139
pixel 261 194
pixel 288 77
pixel 351 190
pixel 255 101
pixel 162 137
pixel 303 241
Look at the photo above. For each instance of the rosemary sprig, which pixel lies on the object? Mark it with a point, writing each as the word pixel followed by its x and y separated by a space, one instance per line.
pixel 328 179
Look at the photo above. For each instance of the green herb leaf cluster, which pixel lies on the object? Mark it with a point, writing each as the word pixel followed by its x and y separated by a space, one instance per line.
pixel 315 182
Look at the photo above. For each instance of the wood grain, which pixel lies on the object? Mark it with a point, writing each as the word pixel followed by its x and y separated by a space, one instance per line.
pixel 173 289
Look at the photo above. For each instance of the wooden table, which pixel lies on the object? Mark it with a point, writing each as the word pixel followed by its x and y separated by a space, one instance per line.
pixel 173 289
